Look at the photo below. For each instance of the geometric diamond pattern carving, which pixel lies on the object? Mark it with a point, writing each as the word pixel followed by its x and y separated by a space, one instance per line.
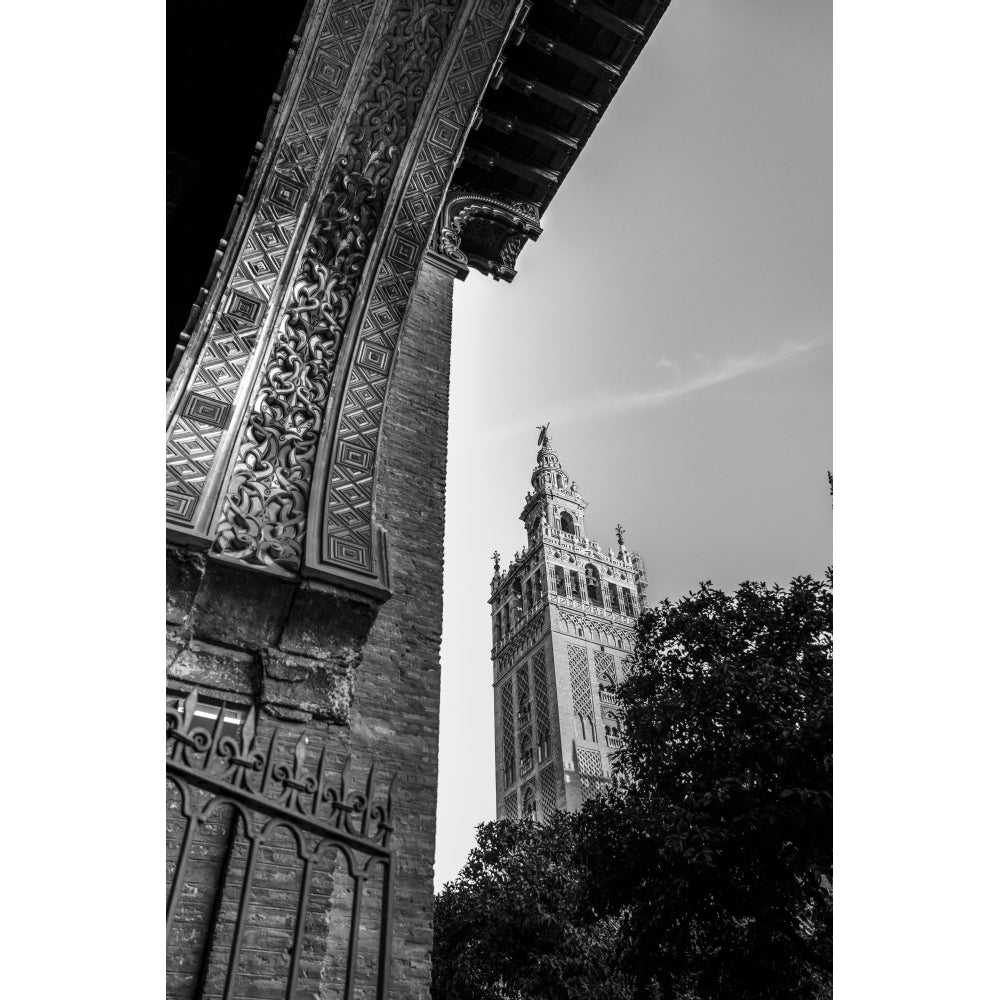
pixel 579 675
pixel 541 698
pixel 264 518
pixel 507 724
pixel 350 489
pixel 592 778
pixel 547 791
pixel 510 806
pixel 604 665
pixel 589 761
pixel 202 409
pixel 234 331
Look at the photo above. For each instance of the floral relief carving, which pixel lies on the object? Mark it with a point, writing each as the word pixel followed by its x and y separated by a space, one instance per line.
pixel 263 517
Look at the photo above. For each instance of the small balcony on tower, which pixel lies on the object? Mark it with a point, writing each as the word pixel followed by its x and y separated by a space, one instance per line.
pixel 608 697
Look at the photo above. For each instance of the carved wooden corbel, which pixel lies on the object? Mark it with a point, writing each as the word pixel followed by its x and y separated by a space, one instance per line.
pixel 486 231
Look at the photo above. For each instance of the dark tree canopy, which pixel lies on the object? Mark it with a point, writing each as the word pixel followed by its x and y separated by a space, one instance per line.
pixel 516 922
pixel 705 873
pixel 716 846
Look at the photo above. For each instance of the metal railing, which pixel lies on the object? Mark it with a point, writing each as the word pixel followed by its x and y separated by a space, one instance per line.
pixel 261 802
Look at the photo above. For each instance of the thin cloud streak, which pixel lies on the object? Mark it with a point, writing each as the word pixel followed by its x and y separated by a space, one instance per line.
pixel 727 371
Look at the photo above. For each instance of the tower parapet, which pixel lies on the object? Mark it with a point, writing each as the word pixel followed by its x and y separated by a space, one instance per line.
pixel 564 614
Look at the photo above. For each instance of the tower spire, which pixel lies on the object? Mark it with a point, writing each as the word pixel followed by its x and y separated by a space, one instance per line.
pixel 548 469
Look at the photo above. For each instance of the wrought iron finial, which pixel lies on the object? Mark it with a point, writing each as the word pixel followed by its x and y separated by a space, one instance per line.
pixel 620 532
pixel 496 561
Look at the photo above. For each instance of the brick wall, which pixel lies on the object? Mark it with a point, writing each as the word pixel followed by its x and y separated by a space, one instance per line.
pixel 359 678
pixel 397 692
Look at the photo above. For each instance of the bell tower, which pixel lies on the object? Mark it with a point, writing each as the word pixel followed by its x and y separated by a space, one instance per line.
pixel 564 614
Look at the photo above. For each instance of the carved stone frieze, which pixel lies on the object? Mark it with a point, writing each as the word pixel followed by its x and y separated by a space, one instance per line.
pixel 486 231
pixel 273 443
pixel 210 385
pixel 344 541
pixel 263 518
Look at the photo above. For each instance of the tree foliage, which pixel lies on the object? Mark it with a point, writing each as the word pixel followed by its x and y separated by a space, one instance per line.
pixel 516 922
pixel 705 873
pixel 715 849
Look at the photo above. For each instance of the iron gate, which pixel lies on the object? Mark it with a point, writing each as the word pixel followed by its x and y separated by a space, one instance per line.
pixel 270 859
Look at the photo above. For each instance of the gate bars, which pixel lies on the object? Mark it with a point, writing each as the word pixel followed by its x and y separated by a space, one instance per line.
pixel 272 794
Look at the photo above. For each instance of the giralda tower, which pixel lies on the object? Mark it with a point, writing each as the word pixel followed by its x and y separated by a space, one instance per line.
pixel 564 614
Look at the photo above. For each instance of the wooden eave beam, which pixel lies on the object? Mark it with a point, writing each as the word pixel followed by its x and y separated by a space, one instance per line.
pixel 554 46
pixel 489 159
pixel 599 14
pixel 513 125
pixel 561 98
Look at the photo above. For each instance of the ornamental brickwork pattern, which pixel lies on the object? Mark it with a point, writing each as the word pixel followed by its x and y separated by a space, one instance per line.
pixel 547 791
pixel 507 722
pixel 583 698
pixel 542 723
pixel 591 776
pixel 605 666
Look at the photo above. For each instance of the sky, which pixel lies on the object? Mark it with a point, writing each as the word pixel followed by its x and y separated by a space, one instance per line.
pixel 673 323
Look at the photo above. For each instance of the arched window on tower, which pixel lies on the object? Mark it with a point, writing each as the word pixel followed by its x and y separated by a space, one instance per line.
pixel 566 523
pixel 593 585
pixel 528 808
pixel 627 601
pixel 527 757
pixel 523 710
pixel 585 728
pixel 616 606
pixel 508 770
pixel 560 581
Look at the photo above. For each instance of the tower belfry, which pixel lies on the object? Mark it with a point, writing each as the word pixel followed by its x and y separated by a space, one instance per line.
pixel 564 616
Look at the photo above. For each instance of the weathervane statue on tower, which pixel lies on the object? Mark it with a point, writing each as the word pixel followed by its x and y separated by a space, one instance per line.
pixel 543 437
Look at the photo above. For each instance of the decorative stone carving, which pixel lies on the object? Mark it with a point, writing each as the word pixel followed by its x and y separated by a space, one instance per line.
pixel 344 543
pixel 263 520
pixel 282 453
pixel 222 358
pixel 486 231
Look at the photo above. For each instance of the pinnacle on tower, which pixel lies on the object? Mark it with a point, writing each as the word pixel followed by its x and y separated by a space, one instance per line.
pixel 548 472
